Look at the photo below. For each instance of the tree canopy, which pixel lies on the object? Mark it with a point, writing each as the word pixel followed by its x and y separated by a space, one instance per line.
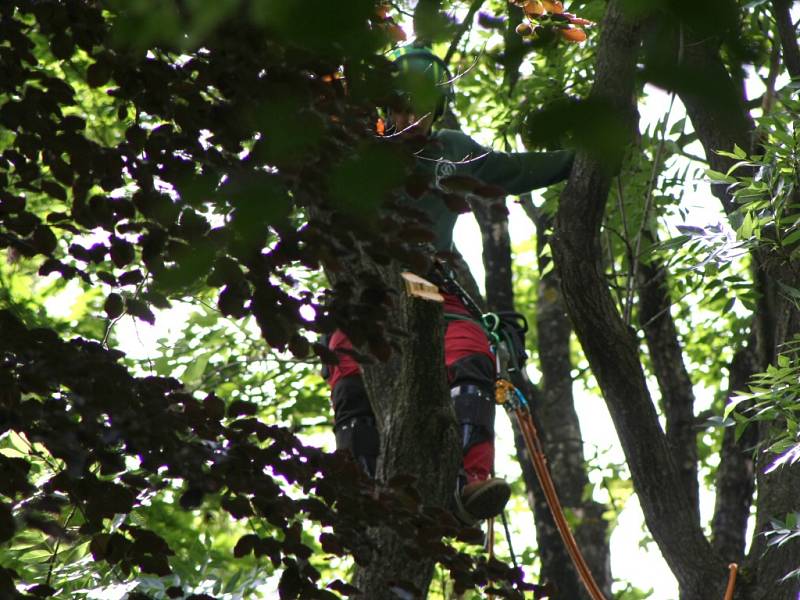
pixel 216 165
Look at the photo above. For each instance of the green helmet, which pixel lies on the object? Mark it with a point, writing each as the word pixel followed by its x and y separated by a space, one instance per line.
pixel 422 80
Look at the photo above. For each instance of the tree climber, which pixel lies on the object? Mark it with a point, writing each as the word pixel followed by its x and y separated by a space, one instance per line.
pixel 423 86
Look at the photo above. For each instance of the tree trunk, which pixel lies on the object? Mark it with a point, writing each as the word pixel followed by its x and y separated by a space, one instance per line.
pixel 777 491
pixel 775 321
pixel 666 356
pixel 419 437
pixel 556 420
pixel 610 346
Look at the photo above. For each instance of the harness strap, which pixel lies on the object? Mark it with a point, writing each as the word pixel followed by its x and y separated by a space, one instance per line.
pixel 468 389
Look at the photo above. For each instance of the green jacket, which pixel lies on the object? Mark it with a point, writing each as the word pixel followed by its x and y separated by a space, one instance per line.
pixel 450 152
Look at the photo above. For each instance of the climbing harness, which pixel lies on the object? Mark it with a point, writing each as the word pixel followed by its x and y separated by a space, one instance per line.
pixel 506 333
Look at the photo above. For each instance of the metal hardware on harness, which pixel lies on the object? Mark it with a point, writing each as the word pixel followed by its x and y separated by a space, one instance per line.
pixel 504 391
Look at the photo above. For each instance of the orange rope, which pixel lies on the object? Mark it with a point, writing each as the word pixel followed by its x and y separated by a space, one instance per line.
pixel 733 568
pixel 543 474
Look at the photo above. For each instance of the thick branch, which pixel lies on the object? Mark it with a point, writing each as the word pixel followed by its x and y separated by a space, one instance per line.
pixel 674 383
pixel 556 420
pixel 496 258
pixel 735 475
pixel 610 346
pixel 720 119
pixel 788 34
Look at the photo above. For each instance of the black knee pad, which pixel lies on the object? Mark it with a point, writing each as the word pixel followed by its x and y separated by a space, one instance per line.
pixel 354 422
pixel 360 436
pixel 475 410
pixel 350 400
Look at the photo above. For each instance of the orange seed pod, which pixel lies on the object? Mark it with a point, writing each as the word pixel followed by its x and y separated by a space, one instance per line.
pixel 534 8
pixel 553 6
pixel 579 21
pixel 573 34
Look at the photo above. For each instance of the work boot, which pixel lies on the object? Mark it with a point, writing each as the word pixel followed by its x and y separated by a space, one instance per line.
pixel 481 500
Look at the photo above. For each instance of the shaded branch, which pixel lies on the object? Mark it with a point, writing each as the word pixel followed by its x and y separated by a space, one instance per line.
pixel 610 346
pixel 719 119
pixel 463 28
pixel 781 9
pixel 735 475
pixel 666 355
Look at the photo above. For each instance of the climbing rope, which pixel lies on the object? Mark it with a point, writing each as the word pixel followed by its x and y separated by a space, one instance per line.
pixel 510 397
pixel 504 520
pixel 733 569
pixel 516 405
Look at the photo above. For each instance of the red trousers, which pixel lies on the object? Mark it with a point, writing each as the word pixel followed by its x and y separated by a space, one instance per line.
pixel 462 339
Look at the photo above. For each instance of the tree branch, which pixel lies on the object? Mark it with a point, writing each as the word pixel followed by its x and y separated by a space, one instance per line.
pixel 465 26
pixel 674 383
pixel 720 119
pixel 735 475
pixel 788 34
pixel 610 346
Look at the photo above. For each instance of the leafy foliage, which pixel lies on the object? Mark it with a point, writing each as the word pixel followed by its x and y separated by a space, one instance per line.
pixel 155 153
pixel 158 154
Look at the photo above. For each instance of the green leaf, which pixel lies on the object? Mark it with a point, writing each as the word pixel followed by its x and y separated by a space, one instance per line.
pixel 791 238
pixel 747 226
pixel 193 374
pixel 717 177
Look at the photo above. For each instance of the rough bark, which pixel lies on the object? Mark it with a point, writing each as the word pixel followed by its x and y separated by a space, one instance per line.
pixel 418 434
pixel 788 35
pixel 775 319
pixel 610 346
pixel 736 475
pixel 666 356
pixel 556 420
pixel 769 565
pixel 496 257
pixel 410 398
pixel 777 491
pixel 720 119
